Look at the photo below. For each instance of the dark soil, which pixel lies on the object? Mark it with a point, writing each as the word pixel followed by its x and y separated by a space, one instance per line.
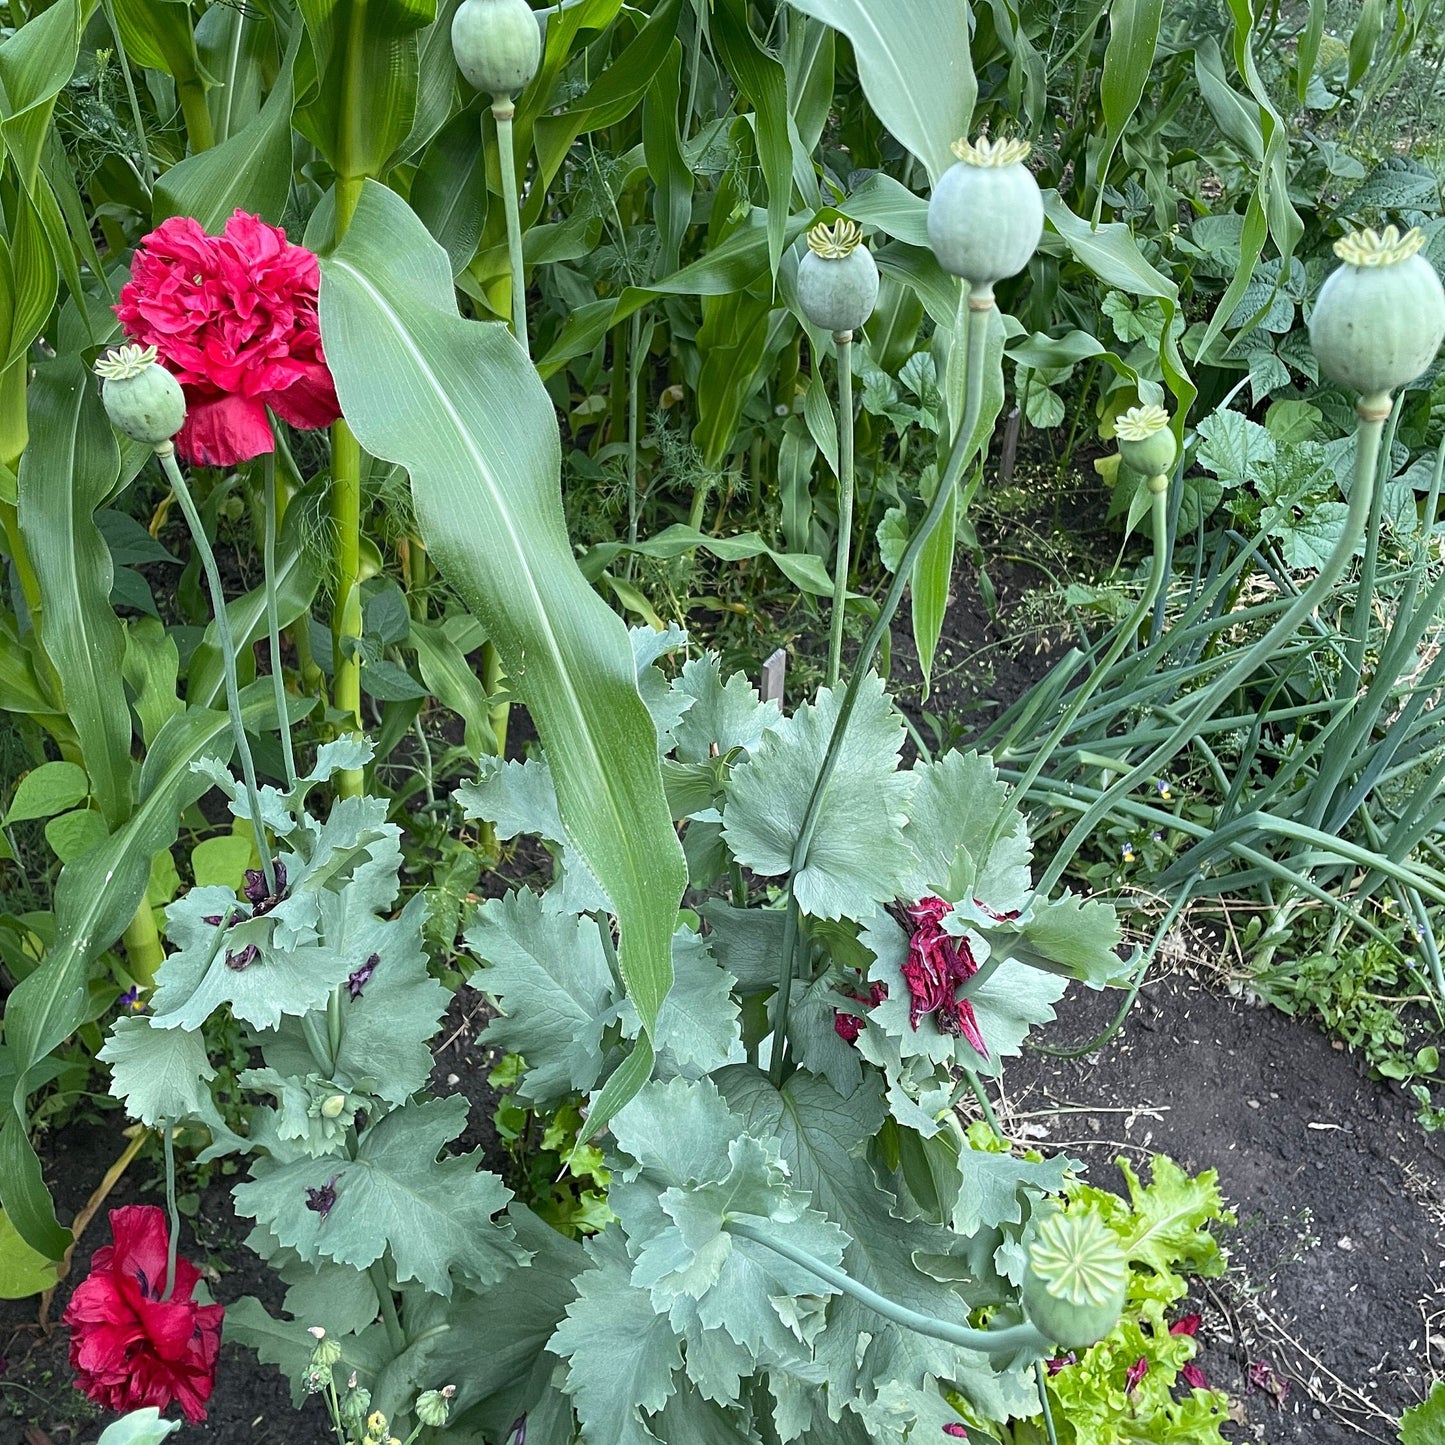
pixel 1337 1264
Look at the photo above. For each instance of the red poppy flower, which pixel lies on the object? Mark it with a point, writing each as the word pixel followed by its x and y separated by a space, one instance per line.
pixel 937 964
pixel 849 1025
pixel 129 1347
pixel 234 318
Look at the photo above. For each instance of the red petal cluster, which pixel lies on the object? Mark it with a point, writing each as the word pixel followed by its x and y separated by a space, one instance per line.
pixel 847 1025
pixel 128 1347
pixel 937 964
pixel 234 318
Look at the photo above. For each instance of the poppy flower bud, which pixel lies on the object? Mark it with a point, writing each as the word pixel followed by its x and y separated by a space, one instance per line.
pixel 142 399
pixel 433 1407
pixel 332 1108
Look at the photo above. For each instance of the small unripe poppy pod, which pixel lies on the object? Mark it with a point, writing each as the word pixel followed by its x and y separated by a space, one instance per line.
pixel 1380 317
pixel 986 214
pixel 1145 441
pixel 837 278
pixel 142 399
pixel 1075 1279
pixel 497 45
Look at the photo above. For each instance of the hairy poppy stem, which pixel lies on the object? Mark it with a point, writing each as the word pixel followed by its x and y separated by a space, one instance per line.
pixel 167 453
pixel 172 1209
pixel 503 111
pixel 274 501
pixel 980 310
pixel 1010 1339
pixel 845 504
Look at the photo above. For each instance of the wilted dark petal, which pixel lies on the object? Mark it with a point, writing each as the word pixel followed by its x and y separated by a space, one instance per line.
pixel 1185 1325
pixel 1062 1363
pixel 994 914
pixel 1137 1371
pixel 1193 1376
pixel 1262 1377
pixel 212 920
pixel 956 1431
pixel 321 1200
pixel 254 886
pixel 847 1026
pixel 241 961
pixel 357 981
pixel 967 1025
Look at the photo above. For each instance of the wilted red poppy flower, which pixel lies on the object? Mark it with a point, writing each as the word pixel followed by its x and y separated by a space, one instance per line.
pixel 1137 1371
pixel 233 317
pixel 847 1025
pixel 937 964
pixel 130 1348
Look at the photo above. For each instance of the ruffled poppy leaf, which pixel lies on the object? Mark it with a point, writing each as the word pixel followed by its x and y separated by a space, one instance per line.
pixel 162 1074
pixel 549 975
pixel 435 1216
pixel 1068 935
pixel 457 403
pixel 857 855
pixel 622 1355
pixel 726 714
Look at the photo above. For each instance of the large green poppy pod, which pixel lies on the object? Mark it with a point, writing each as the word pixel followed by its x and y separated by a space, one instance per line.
pixel 497 44
pixel 1145 441
pixel 142 399
pixel 1380 317
pixel 1075 1279
pixel 986 215
pixel 837 278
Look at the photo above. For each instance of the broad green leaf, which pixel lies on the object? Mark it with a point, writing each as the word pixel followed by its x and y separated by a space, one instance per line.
pixel 457 403
pixel 1072 936
pixel 697 1027
pixel 251 170
pixel 140 1427
pixel 23 1271
pixel 1128 59
pixel 1424 1424
pixel 436 1217
pixel 723 715
pixel 550 977
pixel 857 856
pixel 449 192
pixel 913 61
pixel 1238 119
pixel 162 1074
pixel 803 570
pixel 35 64
pixel 68 470
pixel 621 1354
pixel 672 178
pixel 49 789
pixel 72 834
pixel 95 899
pixel 993 1182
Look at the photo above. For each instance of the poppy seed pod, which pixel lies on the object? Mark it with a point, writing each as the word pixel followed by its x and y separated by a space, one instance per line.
pixel 1380 317
pixel 837 278
pixel 986 215
pixel 497 45
pixel 1075 1279
pixel 142 399
pixel 1145 441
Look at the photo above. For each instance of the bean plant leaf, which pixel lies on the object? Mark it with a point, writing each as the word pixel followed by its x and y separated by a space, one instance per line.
pixel 458 404
pixel 162 1074
pixel 857 855
pixel 550 977
pixel 435 1217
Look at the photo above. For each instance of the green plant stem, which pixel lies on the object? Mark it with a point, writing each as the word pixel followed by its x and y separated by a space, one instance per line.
pixel 381 1283
pixel 844 340
pixel 634 501
pixel 274 501
pixel 1042 1380
pixel 346 622
pixel 1372 413
pixel 168 1144
pixel 503 110
pixel 143 951
pixel 1011 1339
pixel 961 454
pixel 137 119
pixel 1159 517
pixel 976 1085
pixel 167 454
pixel 191 92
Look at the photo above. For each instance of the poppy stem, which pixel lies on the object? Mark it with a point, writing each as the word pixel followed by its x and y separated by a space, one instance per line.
pixel 844 340
pixel 173 1241
pixel 1041 1379
pixel 167 454
pixel 503 111
pixel 274 501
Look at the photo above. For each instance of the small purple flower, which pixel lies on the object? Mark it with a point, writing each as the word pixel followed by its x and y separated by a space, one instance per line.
pixel 321 1200
pixel 357 981
pixel 1137 1371
pixel 131 1000
pixel 240 962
